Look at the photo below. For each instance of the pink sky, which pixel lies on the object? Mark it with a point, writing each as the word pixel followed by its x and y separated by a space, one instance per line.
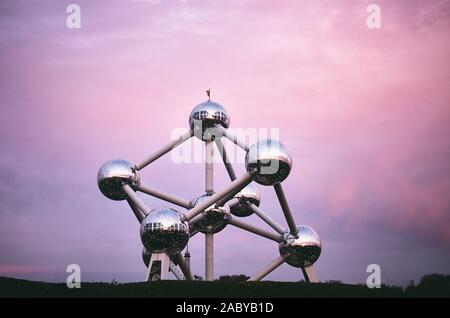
pixel 364 112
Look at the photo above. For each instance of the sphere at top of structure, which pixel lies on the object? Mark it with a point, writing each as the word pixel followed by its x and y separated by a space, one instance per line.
pixel 249 195
pixel 302 251
pixel 164 231
pixel 146 256
pixel 213 219
pixel 113 174
pixel 207 115
pixel 269 161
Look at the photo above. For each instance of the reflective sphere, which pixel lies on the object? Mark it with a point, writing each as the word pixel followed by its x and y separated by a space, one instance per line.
pixel 269 160
pixel 113 174
pixel 207 115
pixel 302 251
pixel 146 255
pixel 250 194
pixel 164 231
pixel 213 219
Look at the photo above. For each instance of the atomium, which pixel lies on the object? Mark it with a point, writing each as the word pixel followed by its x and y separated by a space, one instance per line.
pixel 165 232
pixel 213 219
pixel 113 175
pixel 302 251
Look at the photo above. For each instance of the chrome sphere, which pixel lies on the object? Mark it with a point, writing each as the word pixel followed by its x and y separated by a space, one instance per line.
pixel 213 219
pixel 146 256
pixel 302 251
pixel 207 115
pixel 270 162
pixel 164 231
pixel 113 175
pixel 250 194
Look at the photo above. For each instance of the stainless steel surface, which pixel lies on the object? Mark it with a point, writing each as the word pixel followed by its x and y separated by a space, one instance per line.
pixel 213 219
pixel 302 251
pixel 175 271
pixel 270 162
pixel 164 196
pixel 256 230
pixel 165 150
pixel 286 210
pixel 132 196
pixel 158 268
pixel 164 231
pixel 209 167
pixel 209 257
pixel 180 261
pixel 248 195
pixel 146 255
pixel 268 269
pixel 234 139
pixel 266 218
pixel 225 159
pixel 137 212
pixel 113 174
pixel 207 115
pixel 310 274
pixel 230 190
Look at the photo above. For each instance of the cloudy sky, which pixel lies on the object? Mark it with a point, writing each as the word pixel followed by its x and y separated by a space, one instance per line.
pixel 365 114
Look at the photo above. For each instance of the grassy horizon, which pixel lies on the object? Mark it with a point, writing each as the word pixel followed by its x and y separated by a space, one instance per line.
pixel 432 285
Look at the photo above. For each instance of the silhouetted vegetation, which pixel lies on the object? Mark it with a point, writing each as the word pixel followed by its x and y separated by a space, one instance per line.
pixel 233 278
pixel 432 285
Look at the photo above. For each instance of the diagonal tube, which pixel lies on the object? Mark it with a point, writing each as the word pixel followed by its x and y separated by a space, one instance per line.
pixel 165 149
pixel 310 274
pixel 286 210
pixel 232 137
pixel 164 196
pixel 179 259
pixel 193 233
pixel 132 196
pixel 256 230
pixel 266 218
pixel 137 212
pixel 233 188
pixel 268 269
pixel 173 268
pixel 226 160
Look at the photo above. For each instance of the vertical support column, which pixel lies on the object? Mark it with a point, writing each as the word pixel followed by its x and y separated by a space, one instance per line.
pixel 209 172
pixel 209 257
pixel 209 188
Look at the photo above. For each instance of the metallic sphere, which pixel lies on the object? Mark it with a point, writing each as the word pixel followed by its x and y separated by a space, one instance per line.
pixel 207 115
pixel 146 256
pixel 270 162
pixel 213 219
pixel 164 231
pixel 250 194
pixel 113 175
pixel 302 251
